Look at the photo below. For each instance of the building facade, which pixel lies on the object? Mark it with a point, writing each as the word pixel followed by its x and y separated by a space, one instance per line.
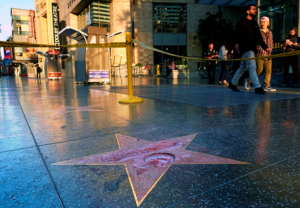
pixel 23 30
pixel 47 26
pixel 166 25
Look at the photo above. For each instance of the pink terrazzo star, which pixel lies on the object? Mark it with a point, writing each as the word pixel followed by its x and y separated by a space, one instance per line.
pixel 146 162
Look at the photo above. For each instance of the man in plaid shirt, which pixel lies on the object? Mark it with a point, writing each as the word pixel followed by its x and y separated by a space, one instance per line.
pixel 264 63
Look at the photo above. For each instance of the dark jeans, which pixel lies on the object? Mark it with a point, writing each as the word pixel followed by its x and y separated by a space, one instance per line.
pixel 224 69
pixel 235 67
pixel 9 74
pixel 211 71
pixel 38 75
pixel 293 61
pixel 169 71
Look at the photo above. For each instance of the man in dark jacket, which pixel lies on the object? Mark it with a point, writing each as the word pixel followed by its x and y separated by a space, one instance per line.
pixel 247 35
pixel 38 71
pixel 211 53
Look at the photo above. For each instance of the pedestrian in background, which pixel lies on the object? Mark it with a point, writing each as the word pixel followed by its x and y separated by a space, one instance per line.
pixel 290 44
pixel 9 71
pixel 170 67
pixel 223 54
pixel 38 71
pixel 211 53
pixel 236 55
pixel 247 35
pixel 264 64
pixel 147 67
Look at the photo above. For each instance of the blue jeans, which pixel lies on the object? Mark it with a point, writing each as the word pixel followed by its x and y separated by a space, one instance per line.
pixel 251 66
pixel 39 75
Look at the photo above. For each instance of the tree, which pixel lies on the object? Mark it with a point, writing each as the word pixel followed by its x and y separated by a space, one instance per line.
pixel 214 29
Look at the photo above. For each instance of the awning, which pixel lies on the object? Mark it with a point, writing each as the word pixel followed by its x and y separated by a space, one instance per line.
pixel 41 53
pixel 227 2
pixel 73 34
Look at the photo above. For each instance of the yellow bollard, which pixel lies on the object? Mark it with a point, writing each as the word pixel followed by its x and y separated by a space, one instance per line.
pixel 130 98
pixel 158 71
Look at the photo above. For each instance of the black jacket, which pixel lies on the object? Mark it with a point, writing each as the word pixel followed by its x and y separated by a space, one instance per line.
pixel 247 35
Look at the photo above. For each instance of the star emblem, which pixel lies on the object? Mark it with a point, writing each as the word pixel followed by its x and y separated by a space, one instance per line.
pixel 69 109
pixel 146 162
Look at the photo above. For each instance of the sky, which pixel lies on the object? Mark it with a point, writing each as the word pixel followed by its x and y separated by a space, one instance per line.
pixel 5 18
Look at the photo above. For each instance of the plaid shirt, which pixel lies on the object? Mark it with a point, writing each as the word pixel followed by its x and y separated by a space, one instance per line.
pixel 268 38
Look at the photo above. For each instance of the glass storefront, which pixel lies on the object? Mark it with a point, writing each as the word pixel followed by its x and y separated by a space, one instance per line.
pixel 283 16
pixel 169 30
pixel 95 14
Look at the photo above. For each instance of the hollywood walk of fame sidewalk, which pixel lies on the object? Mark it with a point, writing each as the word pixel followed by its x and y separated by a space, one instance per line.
pixel 186 145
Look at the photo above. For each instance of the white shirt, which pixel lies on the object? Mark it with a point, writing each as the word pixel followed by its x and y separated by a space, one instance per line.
pixel 223 53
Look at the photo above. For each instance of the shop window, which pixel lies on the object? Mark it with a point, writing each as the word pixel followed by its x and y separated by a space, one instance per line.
pixel 169 18
pixel 169 31
pixel 37 8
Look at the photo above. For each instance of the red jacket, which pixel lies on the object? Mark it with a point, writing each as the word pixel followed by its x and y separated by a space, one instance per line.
pixel 9 70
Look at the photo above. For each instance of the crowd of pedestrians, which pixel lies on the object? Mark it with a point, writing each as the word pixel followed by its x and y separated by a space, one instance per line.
pixel 251 41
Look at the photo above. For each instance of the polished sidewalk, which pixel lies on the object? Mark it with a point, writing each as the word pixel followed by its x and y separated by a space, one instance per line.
pixel 187 145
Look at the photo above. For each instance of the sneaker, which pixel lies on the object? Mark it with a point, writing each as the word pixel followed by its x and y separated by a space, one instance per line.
pixel 247 84
pixel 259 90
pixel 294 85
pixel 269 89
pixel 233 87
pixel 283 85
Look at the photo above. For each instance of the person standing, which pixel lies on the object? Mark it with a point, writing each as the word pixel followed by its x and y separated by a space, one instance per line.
pixel 147 67
pixel 211 53
pixel 236 55
pixel 9 71
pixel 247 35
pixel 223 54
pixel 264 64
pixel 170 67
pixel 290 44
pixel 38 71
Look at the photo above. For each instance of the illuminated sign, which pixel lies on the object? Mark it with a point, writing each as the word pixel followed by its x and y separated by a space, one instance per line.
pixel 54 75
pixel 7 53
pixel 50 52
pixel 101 74
pixel 55 25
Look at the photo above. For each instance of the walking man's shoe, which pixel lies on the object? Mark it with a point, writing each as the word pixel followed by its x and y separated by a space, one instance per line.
pixel 259 90
pixel 294 85
pixel 233 87
pixel 269 89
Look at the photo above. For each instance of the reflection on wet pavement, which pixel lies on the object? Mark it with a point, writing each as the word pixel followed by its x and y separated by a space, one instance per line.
pixel 187 145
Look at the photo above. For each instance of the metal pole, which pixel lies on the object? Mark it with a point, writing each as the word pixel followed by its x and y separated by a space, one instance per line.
pixel 129 64
pixel 130 98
